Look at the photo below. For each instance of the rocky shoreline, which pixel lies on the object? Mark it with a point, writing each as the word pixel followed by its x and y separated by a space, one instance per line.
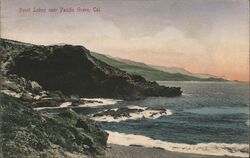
pixel 36 77
pixel 130 113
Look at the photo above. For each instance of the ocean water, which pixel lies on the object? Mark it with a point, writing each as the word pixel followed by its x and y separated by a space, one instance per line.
pixel 210 118
pixel 207 112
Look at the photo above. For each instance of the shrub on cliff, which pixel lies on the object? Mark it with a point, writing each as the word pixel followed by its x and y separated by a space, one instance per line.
pixel 27 133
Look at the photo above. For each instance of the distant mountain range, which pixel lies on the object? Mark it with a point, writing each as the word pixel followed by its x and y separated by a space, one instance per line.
pixel 155 73
pixel 183 71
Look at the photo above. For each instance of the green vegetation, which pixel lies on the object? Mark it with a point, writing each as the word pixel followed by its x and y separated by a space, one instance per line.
pixel 148 72
pixel 27 133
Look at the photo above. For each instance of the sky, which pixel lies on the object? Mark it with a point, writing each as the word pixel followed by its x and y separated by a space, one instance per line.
pixel 202 36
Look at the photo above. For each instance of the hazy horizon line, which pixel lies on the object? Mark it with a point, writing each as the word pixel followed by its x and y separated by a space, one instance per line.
pixel 194 73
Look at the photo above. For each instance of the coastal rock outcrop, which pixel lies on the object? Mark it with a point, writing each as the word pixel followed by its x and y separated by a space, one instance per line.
pixel 34 77
pixel 72 70
pixel 130 113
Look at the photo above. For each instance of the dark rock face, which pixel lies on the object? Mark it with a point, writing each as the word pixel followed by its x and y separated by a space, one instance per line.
pixel 72 70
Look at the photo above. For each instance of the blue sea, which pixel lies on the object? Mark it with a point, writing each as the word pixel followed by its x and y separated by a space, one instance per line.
pixel 207 112
pixel 210 118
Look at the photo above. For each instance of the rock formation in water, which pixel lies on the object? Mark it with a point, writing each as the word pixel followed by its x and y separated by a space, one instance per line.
pixel 72 70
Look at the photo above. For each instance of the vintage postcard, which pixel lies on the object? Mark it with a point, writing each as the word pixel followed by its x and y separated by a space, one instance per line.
pixel 124 79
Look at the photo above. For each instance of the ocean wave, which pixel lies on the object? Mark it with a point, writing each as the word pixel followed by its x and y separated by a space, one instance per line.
pixel 187 94
pixel 218 149
pixel 92 102
pixel 247 122
pixel 130 113
pixel 99 102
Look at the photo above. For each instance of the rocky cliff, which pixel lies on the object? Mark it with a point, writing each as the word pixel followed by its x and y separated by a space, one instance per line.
pixel 48 76
pixel 72 70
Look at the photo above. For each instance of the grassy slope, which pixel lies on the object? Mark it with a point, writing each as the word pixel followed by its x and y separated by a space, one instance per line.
pixel 26 133
pixel 148 72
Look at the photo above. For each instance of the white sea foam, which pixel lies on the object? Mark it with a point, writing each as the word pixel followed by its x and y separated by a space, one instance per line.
pixel 146 113
pixel 43 108
pixel 219 149
pixel 93 102
pixel 186 94
pixel 99 102
pixel 11 93
pixel 65 104
pixel 136 107
pixel 247 122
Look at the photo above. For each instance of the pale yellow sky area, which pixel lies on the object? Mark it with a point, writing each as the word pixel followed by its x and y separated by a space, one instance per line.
pixel 206 36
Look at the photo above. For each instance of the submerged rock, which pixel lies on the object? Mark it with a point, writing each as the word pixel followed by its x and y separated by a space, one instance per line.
pixel 26 97
pixel 46 103
pixel 130 113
